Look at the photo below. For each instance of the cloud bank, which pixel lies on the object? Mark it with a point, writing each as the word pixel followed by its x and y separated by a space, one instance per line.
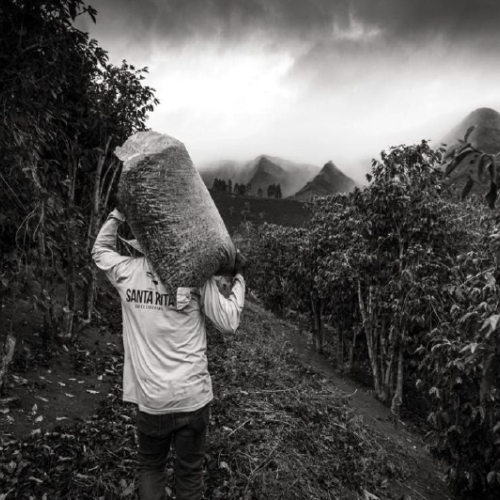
pixel 307 80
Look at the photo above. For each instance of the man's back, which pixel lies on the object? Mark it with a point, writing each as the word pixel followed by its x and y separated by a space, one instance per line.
pixel 165 368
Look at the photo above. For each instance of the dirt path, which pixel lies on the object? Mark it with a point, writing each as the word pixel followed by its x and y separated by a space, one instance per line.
pixel 426 479
pixel 66 387
pixel 72 388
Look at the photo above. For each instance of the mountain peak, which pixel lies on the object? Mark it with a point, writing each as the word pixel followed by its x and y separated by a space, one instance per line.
pixel 330 180
pixel 486 134
pixel 265 173
pixel 330 168
pixel 484 114
pixel 266 165
pixel 261 172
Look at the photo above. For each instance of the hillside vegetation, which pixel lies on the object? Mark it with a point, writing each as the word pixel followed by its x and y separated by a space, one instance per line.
pixel 259 171
pixel 278 430
pixel 406 278
pixel 397 280
pixel 330 180
pixel 235 210
pixel 486 133
pixel 64 110
pixel 292 177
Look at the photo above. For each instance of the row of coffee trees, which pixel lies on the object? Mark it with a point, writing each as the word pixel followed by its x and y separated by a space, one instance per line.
pixel 64 108
pixel 406 278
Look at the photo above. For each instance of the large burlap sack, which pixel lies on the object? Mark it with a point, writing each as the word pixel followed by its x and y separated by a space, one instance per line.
pixel 171 212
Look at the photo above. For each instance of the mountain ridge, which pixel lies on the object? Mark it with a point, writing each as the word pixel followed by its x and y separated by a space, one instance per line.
pixel 486 134
pixel 330 180
pixel 266 173
pixel 265 170
pixel 261 172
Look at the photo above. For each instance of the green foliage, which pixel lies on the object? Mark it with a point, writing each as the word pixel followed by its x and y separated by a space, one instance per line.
pixel 278 430
pixel 459 371
pixel 274 190
pixel 474 168
pixel 286 212
pixel 64 109
pixel 273 253
pixel 298 439
pixel 415 272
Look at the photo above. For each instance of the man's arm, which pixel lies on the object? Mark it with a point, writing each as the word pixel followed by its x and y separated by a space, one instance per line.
pixel 226 313
pixel 104 250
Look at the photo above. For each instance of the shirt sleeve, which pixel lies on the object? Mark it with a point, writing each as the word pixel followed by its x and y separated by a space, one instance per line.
pixel 104 251
pixel 224 313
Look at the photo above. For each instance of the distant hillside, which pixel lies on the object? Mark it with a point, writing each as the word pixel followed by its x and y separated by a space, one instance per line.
pixel 486 135
pixel 261 172
pixel 225 169
pixel 266 173
pixel 330 180
pixel 283 212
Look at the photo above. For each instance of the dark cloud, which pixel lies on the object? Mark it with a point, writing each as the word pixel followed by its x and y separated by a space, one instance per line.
pixel 450 18
pixel 332 42
pixel 229 20
pixel 352 76
pixel 233 20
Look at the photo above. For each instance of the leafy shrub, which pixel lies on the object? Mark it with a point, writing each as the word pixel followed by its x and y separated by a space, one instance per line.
pixel 411 273
pixel 459 369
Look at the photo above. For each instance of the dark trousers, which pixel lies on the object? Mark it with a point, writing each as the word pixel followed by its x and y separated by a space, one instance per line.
pixel 187 433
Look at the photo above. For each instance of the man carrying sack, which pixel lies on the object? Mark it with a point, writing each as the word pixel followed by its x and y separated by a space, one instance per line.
pixel 165 368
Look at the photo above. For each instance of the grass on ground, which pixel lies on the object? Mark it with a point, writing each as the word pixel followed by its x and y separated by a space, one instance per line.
pixel 278 431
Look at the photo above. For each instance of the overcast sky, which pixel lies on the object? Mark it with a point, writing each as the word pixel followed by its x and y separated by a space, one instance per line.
pixel 307 80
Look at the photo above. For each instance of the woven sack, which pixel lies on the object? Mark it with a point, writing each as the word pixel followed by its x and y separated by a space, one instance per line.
pixel 171 212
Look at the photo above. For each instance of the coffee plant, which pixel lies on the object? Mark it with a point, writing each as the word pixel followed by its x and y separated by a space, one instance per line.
pixel 406 276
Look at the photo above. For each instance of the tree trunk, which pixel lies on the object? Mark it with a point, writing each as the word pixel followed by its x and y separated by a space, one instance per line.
pixel 39 233
pixel 96 197
pixel 89 294
pixel 95 217
pixel 317 313
pixel 2 293
pixel 116 168
pixel 340 349
pixel 350 365
pixel 70 306
pixel 394 343
pixel 367 317
pixel 389 364
pixel 39 236
pixel 7 355
pixel 397 399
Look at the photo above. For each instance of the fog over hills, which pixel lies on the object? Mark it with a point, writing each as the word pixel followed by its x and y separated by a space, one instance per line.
pixel 261 172
pixel 225 169
pixel 267 172
pixel 486 135
pixel 330 180
pixel 301 181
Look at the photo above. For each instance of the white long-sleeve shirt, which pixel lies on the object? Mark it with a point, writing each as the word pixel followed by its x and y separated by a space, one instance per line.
pixel 165 368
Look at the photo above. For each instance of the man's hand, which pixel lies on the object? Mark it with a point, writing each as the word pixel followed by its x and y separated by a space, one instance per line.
pixel 240 263
pixel 117 215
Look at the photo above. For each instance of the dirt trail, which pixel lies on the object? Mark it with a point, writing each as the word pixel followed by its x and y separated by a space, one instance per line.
pixel 426 481
pixel 65 391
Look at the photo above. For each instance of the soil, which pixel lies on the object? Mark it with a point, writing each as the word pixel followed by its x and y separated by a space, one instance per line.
pixel 427 479
pixel 65 383
pixel 70 383
pixel 68 388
